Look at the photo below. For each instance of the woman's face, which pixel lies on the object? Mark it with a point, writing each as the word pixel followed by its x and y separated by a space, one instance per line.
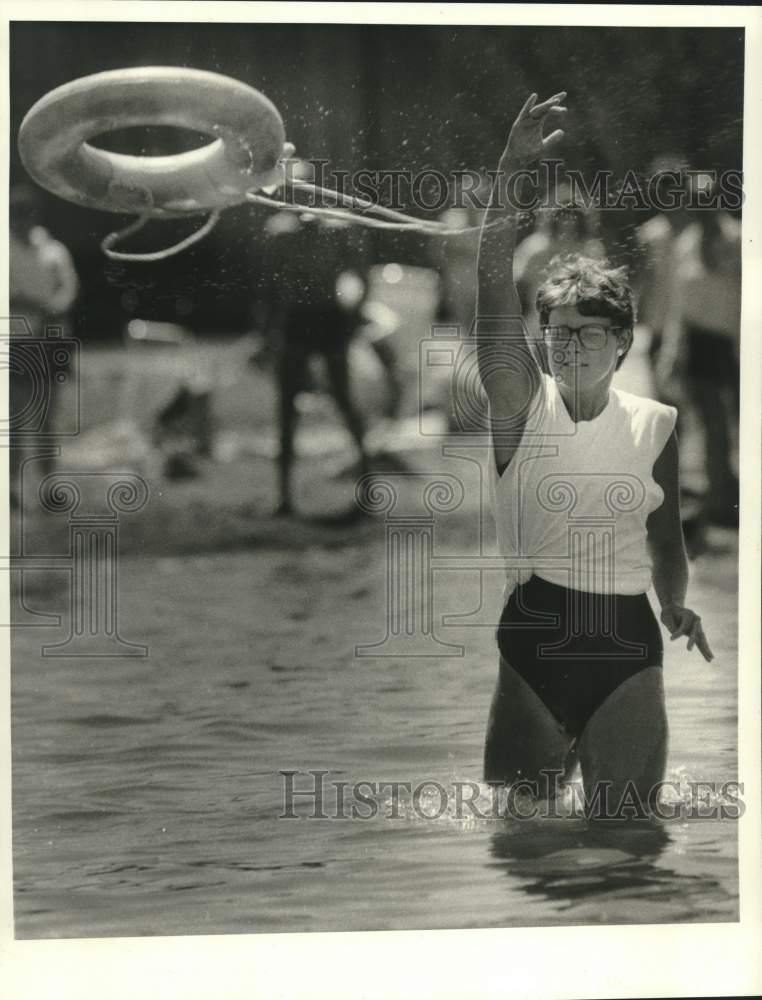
pixel 575 365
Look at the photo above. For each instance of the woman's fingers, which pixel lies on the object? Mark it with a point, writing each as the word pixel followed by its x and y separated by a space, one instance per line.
pixel 687 622
pixel 553 138
pixel 692 638
pixel 684 625
pixel 540 109
pixel 528 105
pixel 702 644
pixel 698 639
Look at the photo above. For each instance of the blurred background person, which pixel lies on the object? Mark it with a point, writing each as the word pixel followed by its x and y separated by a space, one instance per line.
pixel 453 259
pixel 305 316
pixel 378 324
pixel 43 287
pixel 657 257
pixel 701 346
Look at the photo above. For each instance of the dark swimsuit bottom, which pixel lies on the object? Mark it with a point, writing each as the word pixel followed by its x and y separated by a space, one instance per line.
pixel 574 648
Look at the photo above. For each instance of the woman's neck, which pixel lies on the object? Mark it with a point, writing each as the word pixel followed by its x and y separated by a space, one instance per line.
pixel 584 405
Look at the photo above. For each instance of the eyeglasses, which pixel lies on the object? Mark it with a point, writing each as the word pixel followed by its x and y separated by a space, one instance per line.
pixel 592 335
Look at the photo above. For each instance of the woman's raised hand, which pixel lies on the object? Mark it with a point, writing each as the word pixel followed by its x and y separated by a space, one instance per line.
pixel 681 621
pixel 526 142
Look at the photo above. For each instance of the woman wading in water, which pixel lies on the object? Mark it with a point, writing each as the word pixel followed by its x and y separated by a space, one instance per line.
pixel 580 675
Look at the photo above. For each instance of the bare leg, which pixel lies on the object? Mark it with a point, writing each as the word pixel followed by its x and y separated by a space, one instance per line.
pixel 292 365
pixel 625 741
pixel 388 358
pixel 523 736
pixel 337 363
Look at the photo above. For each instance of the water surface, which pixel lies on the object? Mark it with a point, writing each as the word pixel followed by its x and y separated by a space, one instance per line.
pixel 147 792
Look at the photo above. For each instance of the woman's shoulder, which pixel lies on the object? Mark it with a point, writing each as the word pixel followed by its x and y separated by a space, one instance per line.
pixel 647 418
pixel 642 407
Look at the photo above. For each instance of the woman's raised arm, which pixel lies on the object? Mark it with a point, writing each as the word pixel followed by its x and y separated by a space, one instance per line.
pixel 508 370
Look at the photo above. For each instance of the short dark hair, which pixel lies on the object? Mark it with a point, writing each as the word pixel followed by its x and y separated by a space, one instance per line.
pixel 593 286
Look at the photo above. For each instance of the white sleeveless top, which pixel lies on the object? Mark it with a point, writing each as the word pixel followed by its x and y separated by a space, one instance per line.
pixel 572 505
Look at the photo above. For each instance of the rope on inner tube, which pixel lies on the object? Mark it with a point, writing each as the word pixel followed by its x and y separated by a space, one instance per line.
pixel 110 241
pixel 348 206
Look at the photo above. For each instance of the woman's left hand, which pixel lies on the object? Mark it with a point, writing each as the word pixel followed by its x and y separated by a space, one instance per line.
pixel 682 621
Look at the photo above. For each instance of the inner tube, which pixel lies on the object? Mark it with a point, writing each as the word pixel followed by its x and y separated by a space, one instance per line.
pixel 245 128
